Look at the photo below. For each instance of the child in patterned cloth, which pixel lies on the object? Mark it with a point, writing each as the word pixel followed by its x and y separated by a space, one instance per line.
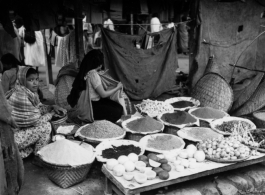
pixel 30 115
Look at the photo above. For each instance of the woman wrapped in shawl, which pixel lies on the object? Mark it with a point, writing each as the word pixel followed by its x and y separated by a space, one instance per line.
pixel 94 95
pixel 30 115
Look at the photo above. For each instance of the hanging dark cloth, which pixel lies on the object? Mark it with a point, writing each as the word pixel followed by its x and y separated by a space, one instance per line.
pixel 11 164
pixel 145 73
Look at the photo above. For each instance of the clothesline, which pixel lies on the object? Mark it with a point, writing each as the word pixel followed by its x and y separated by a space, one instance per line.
pixel 154 24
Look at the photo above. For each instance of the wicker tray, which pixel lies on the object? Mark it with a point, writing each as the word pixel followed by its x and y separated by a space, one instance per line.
pixel 189 99
pixel 207 119
pixel 108 144
pixel 124 125
pixel 226 161
pixel 96 140
pixel 144 142
pixel 184 133
pixel 212 90
pixel 157 107
pixel 197 122
pixel 214 123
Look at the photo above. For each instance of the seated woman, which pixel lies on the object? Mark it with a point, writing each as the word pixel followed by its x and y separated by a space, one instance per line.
pixel 10 69
pixel 31 117
pixel 89 80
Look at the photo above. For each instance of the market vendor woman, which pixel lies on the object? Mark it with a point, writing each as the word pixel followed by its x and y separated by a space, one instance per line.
pixel 89 80
pixel 30 115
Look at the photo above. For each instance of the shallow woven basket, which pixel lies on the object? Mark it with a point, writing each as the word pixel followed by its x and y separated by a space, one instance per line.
pixel 260 123
pixel 171 130
pixel 134 136
pixel 212 90
pixel 57 123
pixel 66 176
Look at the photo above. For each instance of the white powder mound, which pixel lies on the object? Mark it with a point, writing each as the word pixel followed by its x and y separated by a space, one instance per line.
pixel 65 152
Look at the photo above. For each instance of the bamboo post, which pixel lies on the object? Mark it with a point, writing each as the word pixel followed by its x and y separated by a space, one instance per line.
pixel 131 23
pixel 79 31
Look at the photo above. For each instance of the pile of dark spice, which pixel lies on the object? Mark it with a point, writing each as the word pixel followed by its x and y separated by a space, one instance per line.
pixel 145 124
pixel 182 104
pixel 117 151
pixel 230 126
pixel 165 142
pixel 178 118
pixel 208 113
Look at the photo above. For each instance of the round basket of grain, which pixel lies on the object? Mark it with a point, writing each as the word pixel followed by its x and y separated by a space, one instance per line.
pixel 229 125
pixel 207 114
pixel 178 119
pixel 153 108
pixel 259 118
pixel 58 119
pixel 100 131
pixel 138 127
pixel 116 148
pixel 198 134
pixel 183 103
pixel 162 143
pixel 67 163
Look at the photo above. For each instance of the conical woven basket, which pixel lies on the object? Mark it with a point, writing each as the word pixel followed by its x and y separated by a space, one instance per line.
pixel 212 90
pixel 255 102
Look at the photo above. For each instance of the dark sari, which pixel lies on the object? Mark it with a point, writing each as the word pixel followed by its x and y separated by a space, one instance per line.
pixel 11 164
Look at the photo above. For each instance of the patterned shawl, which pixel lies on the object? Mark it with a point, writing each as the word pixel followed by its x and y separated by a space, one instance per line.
pixel 24 103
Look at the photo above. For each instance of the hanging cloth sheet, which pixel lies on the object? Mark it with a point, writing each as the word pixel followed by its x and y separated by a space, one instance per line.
pixel 144 73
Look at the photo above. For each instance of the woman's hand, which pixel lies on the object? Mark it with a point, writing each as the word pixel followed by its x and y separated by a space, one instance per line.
pixel 119 85
pixel 58 109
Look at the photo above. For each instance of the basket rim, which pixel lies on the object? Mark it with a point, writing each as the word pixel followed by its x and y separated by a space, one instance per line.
pixel 218 75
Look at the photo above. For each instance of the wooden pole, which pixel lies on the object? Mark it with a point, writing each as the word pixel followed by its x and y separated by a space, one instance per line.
pixel 131 24
pixel 79 31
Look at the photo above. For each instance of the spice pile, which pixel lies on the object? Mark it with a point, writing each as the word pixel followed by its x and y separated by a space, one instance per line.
pixel 198 133
pixel 102 130
pixel 165 142
pixel 178 118
pixel 230 126
pixel 116 151
pixel 208 113
pixel 182 104
pixel 154 108
pixel 145 124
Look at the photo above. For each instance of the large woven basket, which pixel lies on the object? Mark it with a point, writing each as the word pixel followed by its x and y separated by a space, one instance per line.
pixel 63 89
pixel 259 122
pixel 66 176
pixel 212 90
pixel 255 102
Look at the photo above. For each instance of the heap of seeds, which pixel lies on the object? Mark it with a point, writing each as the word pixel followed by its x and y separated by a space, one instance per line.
pixel 102 130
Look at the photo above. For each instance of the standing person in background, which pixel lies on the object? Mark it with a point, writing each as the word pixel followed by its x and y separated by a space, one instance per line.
pixel 10 69
pixel 87 37
pixel 11 164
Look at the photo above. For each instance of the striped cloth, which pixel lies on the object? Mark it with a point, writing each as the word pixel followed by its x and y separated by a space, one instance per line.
pixel 24 103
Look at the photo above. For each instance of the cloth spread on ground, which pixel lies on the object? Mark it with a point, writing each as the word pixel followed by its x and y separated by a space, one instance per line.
pixel 25 103
pixel 84 107
pixel 143 73
pixel 11 165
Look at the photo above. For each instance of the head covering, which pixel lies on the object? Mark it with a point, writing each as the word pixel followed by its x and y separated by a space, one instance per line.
pixel 92 60
pixel 24 103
